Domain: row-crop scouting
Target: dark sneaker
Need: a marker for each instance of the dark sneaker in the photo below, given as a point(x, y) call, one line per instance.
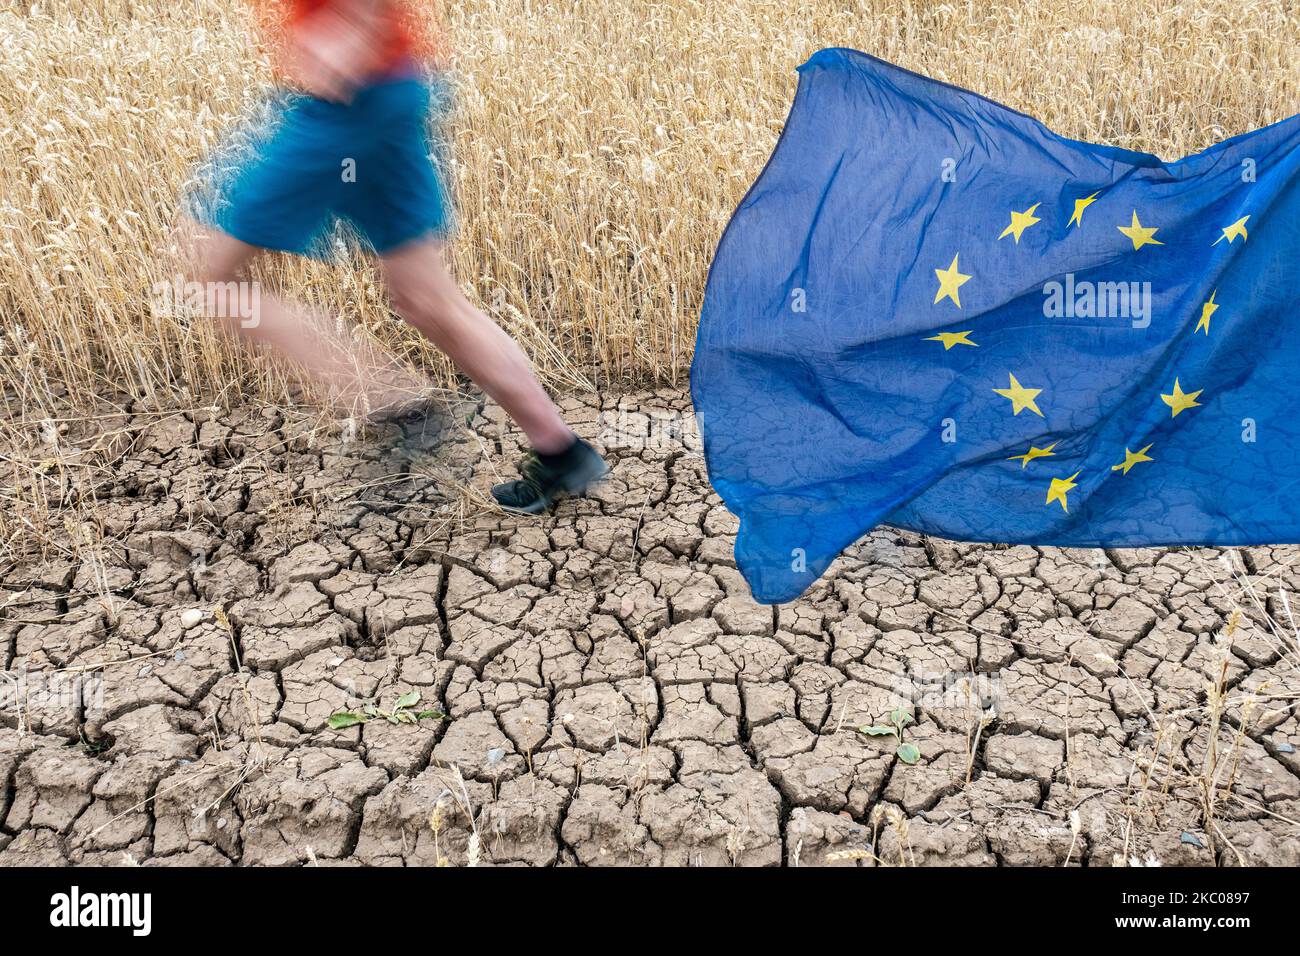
point(547, 477)
point(400, 411)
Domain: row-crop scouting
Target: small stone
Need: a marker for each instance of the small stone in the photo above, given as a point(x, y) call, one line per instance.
point(191, 617)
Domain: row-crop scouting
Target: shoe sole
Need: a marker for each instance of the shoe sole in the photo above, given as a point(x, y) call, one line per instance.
point(576, 485)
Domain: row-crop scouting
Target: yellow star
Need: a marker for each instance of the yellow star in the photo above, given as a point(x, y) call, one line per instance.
point(1180, 400)
point(1059, 489)
point(950, 280)
point(1033, 453)
point(1079, 206)
point(1021, 397)
point(1207, 310)
point(1140, 234)
point(1131, 458)
point(1020, 221)
point(1238, 228)
point(949, 339)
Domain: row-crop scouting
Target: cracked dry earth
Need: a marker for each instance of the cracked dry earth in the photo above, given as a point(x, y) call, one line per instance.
point(613, 696)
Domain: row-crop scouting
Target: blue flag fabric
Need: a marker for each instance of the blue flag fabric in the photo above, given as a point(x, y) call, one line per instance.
point(932, 312)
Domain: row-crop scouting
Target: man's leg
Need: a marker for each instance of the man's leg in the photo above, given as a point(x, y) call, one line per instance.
point(361, 377)
point(425, 295)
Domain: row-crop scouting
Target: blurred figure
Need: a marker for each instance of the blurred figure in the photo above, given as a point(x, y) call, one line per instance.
point(351, 141)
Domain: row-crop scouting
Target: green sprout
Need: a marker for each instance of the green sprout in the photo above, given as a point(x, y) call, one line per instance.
point(403, 712)
point(898, 719)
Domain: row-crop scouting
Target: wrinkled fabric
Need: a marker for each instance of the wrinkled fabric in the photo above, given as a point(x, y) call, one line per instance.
point(846, 374)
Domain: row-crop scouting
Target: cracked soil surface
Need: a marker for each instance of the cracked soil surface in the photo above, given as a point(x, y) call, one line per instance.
point(612, 694)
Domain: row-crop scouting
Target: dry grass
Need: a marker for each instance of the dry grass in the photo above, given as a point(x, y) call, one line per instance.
point(599, 148)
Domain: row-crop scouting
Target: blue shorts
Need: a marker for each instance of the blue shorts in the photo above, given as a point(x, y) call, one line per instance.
point(286, 182)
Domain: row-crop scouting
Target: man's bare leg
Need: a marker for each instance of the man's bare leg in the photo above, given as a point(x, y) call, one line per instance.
point(361, 377)
point(425, 295)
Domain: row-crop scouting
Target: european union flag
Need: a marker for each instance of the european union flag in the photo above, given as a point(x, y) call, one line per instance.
point(930, 311)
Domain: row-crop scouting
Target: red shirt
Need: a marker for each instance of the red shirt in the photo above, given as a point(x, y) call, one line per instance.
point(395, 43)
point(409, 29)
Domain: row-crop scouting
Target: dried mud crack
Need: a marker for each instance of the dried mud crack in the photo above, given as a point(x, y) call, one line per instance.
point(217, 585)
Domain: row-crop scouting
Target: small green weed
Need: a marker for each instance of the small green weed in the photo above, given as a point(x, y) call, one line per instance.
point(403, 712)
point(898, 719)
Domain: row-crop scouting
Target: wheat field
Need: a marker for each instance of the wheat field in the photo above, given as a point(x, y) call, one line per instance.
point(598, 148)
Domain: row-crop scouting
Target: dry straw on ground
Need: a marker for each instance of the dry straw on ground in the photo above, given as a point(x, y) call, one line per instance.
point(599, 148)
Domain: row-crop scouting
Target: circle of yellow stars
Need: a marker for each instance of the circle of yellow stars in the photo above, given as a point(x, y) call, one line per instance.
point(1023, 398)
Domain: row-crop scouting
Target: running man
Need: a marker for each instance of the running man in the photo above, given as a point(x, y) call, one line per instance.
point(365, 102)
